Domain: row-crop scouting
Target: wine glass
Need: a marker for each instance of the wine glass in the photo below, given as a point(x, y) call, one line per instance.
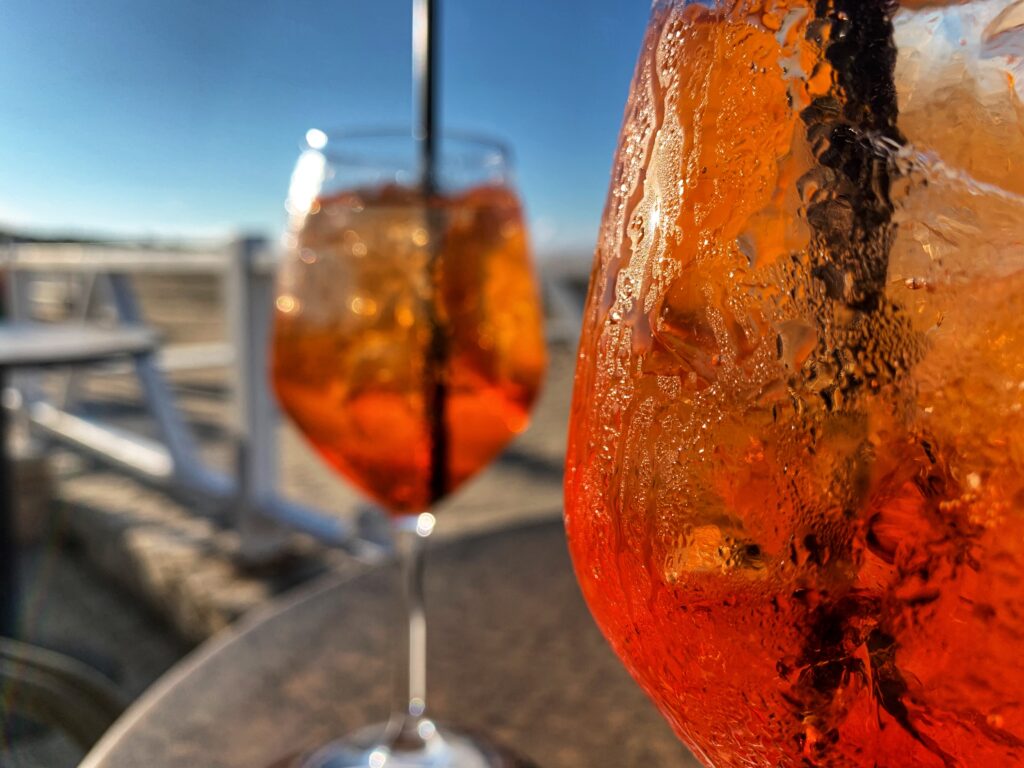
point(795, 482)
point(408, 348)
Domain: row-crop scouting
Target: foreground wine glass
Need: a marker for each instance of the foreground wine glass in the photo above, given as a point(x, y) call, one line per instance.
point(795, 489)
point(408, 348)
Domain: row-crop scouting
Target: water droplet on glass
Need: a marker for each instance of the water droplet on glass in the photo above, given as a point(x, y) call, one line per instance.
point(916, 283)
point(626, 287)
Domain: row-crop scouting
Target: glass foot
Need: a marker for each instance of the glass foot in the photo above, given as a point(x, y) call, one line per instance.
point(438, 747)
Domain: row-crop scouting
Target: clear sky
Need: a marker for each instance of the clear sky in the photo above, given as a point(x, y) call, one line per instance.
point(183, 117)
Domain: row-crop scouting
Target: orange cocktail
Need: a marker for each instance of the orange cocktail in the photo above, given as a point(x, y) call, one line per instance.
point(354, 328)
point(795, 490)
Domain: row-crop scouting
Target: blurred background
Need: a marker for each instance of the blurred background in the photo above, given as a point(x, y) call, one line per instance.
point(145, 153)
point(183, 119)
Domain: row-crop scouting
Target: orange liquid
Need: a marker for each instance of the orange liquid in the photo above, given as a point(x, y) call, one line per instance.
point(795, 486)
point(352, 336)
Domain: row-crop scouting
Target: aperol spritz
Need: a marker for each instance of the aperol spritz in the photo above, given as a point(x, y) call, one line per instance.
point(408, 348)
point(353, 335)
point(795, 489)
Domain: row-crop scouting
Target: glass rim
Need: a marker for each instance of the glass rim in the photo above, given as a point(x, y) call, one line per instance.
point(479, 150)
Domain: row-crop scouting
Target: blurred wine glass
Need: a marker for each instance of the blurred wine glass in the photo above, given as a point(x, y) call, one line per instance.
point(408, 348)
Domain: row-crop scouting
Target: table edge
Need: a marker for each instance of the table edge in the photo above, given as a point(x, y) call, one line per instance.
point(181, 671)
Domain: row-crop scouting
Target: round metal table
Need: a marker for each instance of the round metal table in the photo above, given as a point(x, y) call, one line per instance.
point(513, 653)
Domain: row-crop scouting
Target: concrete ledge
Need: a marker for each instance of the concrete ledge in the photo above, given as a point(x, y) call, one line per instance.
point(184, 568)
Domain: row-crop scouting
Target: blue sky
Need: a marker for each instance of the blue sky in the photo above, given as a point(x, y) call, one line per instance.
point(183, 117)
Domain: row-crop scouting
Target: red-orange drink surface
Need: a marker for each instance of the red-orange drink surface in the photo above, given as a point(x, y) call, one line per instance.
point(795, 483)
point(353, 335)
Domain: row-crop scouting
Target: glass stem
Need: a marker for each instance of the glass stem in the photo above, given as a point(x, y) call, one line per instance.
point(410, 731)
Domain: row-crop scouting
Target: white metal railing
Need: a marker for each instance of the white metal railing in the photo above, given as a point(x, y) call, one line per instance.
point(246, 268)
point(113, 259)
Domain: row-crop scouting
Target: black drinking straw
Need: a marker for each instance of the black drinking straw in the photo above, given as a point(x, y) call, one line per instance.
point(425, 29)
point(424, 71)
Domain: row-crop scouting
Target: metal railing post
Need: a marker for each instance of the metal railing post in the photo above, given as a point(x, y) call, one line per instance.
point(25, 384)
point(175, 434)
point(88, 284)
point(250, 293)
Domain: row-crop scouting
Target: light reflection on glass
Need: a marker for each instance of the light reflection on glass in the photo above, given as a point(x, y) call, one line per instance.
point(305, 184)
point(417, 707)
point(316, 138)
point(426, 730)
point(425, 524)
